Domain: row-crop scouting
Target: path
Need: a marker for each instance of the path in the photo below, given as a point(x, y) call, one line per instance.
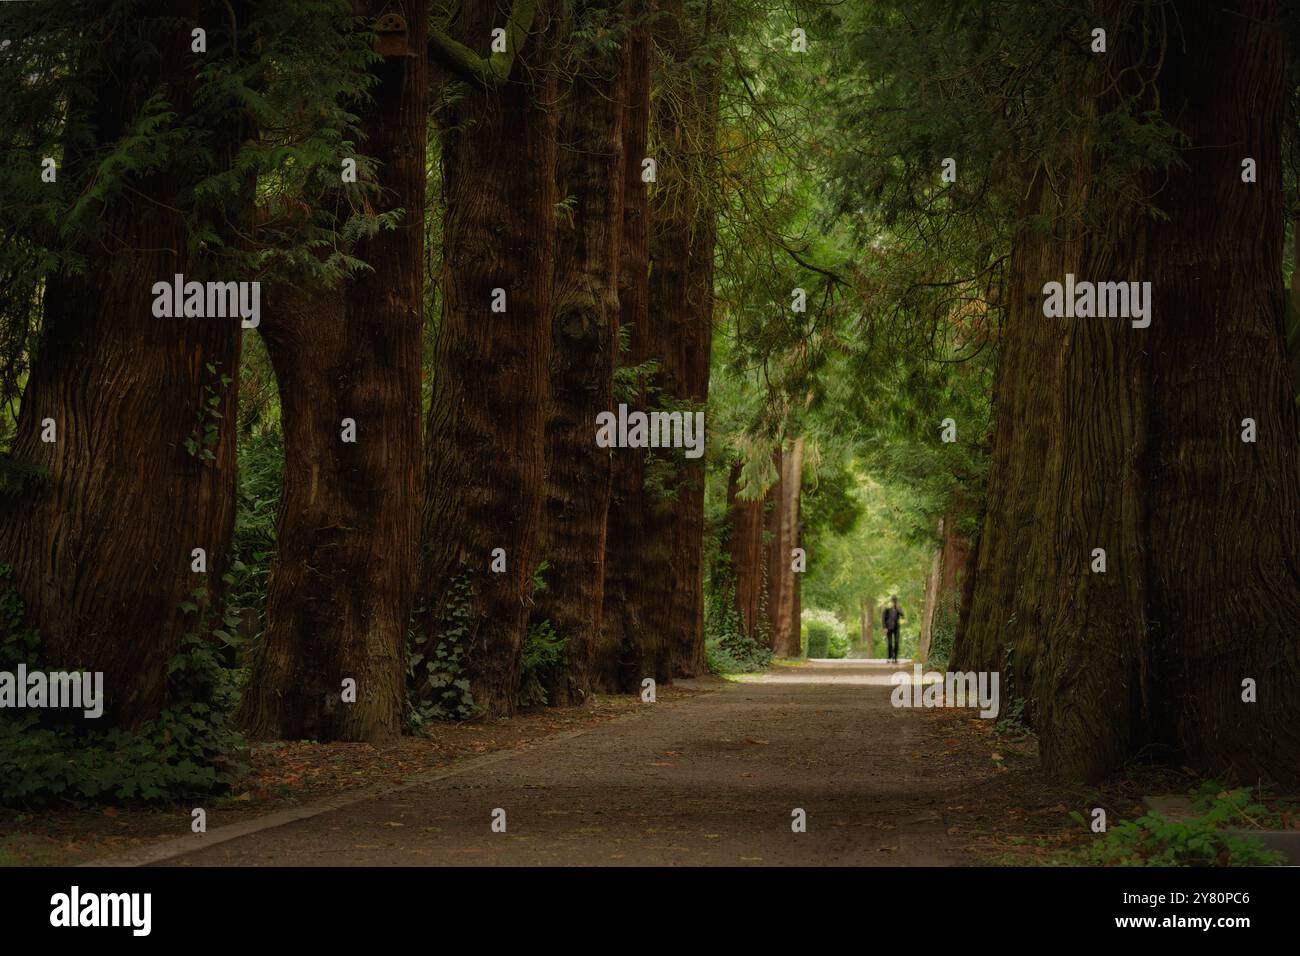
point(711, 779)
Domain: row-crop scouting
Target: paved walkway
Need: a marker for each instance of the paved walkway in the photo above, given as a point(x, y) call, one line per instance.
point(707, 780)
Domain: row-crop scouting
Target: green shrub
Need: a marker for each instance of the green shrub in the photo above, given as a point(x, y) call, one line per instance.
point(818, 639)
point(1240, 807)
point(261, 462)
point(1153, 840)
point(188, 751)
point(543, 653)
point(727, 649)
point(826, 635)
point(737, 654)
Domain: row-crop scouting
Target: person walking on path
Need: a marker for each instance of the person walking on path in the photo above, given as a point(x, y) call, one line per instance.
point(891, 618)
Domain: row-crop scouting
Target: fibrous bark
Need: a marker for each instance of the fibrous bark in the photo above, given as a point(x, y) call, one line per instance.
point(783, 582)
point(484, 484)
point(340, 593)
point(745, 546)
point(1130, 440)
point(584, 347)
point(685, 119)
point(101, 547)
point(632, 646)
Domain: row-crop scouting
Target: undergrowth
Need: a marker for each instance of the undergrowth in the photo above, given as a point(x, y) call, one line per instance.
point(727, 649)
point(48, 756)
point(1203, 840)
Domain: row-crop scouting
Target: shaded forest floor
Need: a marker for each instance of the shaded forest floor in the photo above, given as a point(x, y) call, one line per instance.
point(710, 774)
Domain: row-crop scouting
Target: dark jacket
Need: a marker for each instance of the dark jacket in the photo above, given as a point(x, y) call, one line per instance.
point(891, 617)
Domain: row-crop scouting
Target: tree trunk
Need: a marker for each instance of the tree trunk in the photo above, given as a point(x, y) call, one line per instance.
point(866, 629)
point(796, 588)
point(784, 609)
point(1036, 597)
point(794, 489)
point(1293, 314)
point(931, 601)
point(956, 561)
point(584, 347)
point(102, 545)
point(745, 547)
point(632, 644)
point(778, 577)
point(947, 574)
point(1224, 602)
point(1151, 654)
point(339, 598)
point(484, 486)
point(681, 294)
point(996, 633)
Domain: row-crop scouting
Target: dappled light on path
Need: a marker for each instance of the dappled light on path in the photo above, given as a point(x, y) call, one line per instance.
point(828, 671)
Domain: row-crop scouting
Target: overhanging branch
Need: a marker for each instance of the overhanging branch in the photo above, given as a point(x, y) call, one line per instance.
point(493, 69)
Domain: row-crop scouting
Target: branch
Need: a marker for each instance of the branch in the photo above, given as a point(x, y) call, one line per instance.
point(494, 69)
point(835, 277)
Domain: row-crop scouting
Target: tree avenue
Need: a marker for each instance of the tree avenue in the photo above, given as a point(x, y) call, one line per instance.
point(368, 366)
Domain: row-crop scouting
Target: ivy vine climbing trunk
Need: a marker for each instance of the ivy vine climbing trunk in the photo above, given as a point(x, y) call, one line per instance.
point(787, 644)
point(931, 602)
point(943, 588)
point(484, 484)
point(347, 365)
